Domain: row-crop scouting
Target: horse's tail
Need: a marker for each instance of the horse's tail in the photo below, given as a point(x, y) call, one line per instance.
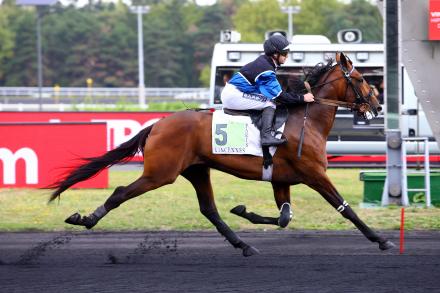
point(95, 165)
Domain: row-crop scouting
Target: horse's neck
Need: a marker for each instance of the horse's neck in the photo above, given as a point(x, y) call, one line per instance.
point(322, 115)
point(322, 118)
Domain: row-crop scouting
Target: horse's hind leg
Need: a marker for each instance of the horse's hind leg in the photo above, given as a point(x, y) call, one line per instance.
point(282, 199)
point(199, 177)
point(323, 185)
point(119, 195)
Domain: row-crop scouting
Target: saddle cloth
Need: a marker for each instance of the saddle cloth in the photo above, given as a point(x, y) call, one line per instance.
point(237, 135)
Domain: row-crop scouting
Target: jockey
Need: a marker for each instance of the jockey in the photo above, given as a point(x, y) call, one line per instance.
point(255, 86)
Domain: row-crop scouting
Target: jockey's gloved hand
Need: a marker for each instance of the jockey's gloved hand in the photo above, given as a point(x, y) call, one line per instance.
point(289, 98)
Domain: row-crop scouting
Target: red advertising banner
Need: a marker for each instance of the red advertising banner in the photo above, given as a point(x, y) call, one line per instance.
point(434, 20)
point(36, 154)
point(121, 126)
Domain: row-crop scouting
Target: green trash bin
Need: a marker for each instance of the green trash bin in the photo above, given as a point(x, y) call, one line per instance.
point(374, 181)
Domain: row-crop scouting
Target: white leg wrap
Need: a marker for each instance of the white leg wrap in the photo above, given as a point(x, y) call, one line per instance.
point(341, 208)
point(100, 212)
point(290, 210)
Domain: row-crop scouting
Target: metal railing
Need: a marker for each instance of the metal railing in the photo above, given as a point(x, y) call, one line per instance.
point(14, 95)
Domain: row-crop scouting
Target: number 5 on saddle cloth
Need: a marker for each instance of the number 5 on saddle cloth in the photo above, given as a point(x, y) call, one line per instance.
point(237, 133)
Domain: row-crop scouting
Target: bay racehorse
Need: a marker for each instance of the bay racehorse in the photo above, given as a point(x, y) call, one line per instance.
point(180, 144)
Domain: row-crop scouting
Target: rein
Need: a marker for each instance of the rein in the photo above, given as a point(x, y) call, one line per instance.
point(326, 101)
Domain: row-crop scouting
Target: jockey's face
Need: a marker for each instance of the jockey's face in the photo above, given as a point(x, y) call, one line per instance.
point(280, 58)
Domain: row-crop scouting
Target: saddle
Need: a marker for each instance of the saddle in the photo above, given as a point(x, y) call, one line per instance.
point(281, 114)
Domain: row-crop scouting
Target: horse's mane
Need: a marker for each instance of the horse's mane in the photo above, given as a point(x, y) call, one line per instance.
point(312, 76)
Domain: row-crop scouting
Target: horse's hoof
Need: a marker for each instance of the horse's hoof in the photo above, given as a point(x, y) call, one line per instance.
point(285, 216)
point(74, 219)
point(386, 245)
point(238, 210)
point(250, 250)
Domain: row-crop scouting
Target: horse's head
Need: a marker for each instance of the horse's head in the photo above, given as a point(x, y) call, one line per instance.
point(341, 84)
point(356, 91)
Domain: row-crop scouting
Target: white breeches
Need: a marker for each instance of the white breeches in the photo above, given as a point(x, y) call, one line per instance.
point(234, 99)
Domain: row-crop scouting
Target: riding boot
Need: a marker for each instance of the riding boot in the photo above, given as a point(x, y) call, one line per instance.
point(267, 139)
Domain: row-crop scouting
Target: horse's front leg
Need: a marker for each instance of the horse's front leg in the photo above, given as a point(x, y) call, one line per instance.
point(323, 185)
point(282, 198)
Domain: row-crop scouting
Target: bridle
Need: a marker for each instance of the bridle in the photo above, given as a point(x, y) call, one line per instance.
point(361, 103)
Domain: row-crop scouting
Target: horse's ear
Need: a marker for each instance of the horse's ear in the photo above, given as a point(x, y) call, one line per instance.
point(342, 59)
point(338, 57)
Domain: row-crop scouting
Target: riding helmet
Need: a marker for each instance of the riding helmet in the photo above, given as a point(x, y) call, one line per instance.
point(276, 44)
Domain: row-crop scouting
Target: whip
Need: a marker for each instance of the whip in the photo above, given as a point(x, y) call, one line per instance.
point(306, 112)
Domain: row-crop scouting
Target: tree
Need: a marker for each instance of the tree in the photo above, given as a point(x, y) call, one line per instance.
point(164, 38)
point(205, 76)
point(255, 18)
point(231, 6)
point(99, 41)
point(367, 18)
point(207, 34)
point(71, 46)
point(312, 18)
point(327, 17)
point(20, 68)
point(7, 37)
point(117, 61)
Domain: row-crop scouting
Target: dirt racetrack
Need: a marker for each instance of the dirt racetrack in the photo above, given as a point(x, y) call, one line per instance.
point(290, 261)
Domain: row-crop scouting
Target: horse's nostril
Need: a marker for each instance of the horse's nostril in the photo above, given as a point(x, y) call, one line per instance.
point(379, 108)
